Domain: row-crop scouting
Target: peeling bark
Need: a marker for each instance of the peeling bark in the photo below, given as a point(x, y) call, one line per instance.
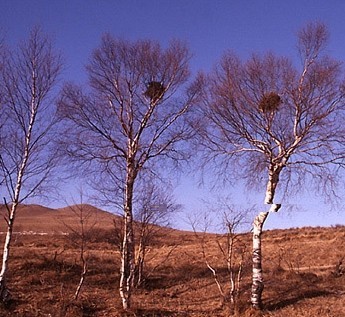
point(127, 265)
point(257, 283)
point(4, 293)
point(127, 258)
point(273, 179)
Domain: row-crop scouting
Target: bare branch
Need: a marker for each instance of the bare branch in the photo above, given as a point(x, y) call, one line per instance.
point(264, 119)
point(119, 124)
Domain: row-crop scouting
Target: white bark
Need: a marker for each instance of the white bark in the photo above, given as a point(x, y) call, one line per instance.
point(257, 282)
point(139, 263)
point(257, 278)
point(12, 211)
point(27, 79)
point(4, 294)
point(128, 257)
point(82, 279)
point(273, 179)
point(257, 286)
point(127, 266)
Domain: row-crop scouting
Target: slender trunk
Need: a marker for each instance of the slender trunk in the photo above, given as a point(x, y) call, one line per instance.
point(15, 199)
point(83, 258)
point(239, 277)
point(82, 279)
point(140, 263)
point(4, 293)
point(231, 268)
point(127, 257)
point(257, 285)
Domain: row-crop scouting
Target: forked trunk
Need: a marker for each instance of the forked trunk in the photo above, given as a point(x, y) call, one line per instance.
point(140, 263)
point(127, 264)
point(127, 257)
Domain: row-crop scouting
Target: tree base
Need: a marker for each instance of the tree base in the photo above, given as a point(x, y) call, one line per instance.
point(253, 312)
point(5, 295)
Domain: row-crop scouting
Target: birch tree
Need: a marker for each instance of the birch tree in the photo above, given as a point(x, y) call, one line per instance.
point(131, 114)
point(232, 251)
point(28, 77)
point(155, 207)
point(269, 120)
point(80, 234)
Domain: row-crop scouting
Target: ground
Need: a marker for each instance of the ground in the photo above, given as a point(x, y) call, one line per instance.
point(301, 270)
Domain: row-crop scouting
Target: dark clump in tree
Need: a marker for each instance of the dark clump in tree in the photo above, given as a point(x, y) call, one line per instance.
point(269, 102)
point(297, 145)
point(155, 91)
point(118, 134)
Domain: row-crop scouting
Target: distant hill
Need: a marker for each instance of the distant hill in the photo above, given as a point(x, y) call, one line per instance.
point(40, 219)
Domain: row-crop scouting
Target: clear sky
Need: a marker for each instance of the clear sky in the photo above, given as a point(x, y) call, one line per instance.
point(210, 27)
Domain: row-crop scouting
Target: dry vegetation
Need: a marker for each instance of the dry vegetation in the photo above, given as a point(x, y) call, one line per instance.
point(299, 267)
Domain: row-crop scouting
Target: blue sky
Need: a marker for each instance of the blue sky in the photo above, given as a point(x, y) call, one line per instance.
point(210, 27)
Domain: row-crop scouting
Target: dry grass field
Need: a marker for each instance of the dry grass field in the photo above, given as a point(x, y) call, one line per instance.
point(299, 268)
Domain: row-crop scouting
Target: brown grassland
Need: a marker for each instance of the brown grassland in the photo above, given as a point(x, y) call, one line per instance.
point(299, 269)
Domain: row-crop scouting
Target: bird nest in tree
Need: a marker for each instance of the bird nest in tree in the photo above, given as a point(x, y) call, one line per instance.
point(154, 91)
point(269, 102)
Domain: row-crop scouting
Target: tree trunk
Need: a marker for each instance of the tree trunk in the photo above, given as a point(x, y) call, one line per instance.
point(4, 293)
point(82, 279)
point(83, 259)
point(140, 263)
point(273, 179)
point(257, 282)
point(127, 257)
point(257, 285)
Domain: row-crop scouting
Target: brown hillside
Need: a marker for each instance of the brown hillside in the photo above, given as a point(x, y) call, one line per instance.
point(40, 219)
point(302, 271)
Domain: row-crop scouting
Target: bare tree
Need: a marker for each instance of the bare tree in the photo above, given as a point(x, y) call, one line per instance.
point(80, 234)
point(126, 121)
point(234, 262)
point(28, 78)
point(231, 246)
point(155, 206)
point(265, 116)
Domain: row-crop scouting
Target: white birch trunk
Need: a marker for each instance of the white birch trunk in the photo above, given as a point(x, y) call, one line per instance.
point(82, 257)
point(257, 278)
point(140, 263)
point(257, 285)
point(82, 279)
point(4, 293)
point(273, 179)
point(127, 257)
point(231, 269)
point(126, 271)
